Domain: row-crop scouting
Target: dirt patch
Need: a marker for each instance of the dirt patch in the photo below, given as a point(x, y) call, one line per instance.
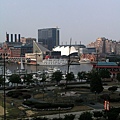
point(21, 108)
point(30, 112)
point(114, 104)
point(1, 110)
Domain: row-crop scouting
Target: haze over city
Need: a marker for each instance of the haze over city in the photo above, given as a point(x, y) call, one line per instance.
point(81, 20)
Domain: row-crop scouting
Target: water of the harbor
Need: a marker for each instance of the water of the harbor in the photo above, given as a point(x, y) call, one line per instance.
point(32, 68)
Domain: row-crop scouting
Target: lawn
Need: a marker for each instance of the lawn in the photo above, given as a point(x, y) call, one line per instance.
point(18, 111)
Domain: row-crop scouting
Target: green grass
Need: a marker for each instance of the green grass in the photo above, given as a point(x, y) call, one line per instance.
point(14, 112)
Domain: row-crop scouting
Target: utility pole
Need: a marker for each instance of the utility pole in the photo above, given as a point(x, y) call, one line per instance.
point(69, 57)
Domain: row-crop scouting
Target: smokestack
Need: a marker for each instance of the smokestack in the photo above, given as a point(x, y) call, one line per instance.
point(18, 37)
point(7, 37)
point(15, 37)
point(11, 37)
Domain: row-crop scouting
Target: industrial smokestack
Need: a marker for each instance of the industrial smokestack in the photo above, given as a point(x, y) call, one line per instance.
point(11, 37)
point(18, 37)
point(7, 37)
point(15, 37)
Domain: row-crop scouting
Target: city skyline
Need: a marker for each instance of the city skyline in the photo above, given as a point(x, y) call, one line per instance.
point(83, 21)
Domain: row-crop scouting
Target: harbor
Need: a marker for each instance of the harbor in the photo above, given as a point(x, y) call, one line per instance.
point(13, 67)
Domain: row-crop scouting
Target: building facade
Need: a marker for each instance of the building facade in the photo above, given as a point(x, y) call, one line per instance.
point(48, 37)
point(106, 46)
point(27, 40)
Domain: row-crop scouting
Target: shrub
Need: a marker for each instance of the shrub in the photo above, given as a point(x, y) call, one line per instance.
point(40, 118)
point(114, 100)
point(98, 114)
point(113, 88)
point(69, 117)
point(14, 94)
point(79, 100)
point(105, 97)
point(85, 116)
point(39, 105)
point(26, 96)
point(58, 119)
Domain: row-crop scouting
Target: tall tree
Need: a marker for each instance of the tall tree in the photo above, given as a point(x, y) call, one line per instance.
point(118, 77)
point(56, 76)
point(82, 75)
point(43, 80)
point(28, 79)
point(104, 74)
point(1, 80)
point(15, 78)
point(95, 82)
point(69, 77)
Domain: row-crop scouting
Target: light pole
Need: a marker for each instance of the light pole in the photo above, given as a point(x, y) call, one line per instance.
point(97, 60)
point(69, 57)
point(36, 63)
point(59, 112)
point(4, 90)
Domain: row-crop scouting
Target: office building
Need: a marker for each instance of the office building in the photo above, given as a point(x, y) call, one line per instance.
point(48, 37)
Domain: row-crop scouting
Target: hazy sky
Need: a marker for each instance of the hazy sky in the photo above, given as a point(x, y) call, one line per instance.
point(81, 20)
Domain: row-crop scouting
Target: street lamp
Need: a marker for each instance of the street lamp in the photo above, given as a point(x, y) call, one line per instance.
point(4, 89)
point(97, 60)
point(69, 57)
point(36, 63)
point(59, 112)
point(4, 92)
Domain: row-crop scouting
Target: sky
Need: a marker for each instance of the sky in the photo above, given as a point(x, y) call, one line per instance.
point(80, 20)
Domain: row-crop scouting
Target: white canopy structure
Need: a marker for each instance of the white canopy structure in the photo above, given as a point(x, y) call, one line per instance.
point(65, 50)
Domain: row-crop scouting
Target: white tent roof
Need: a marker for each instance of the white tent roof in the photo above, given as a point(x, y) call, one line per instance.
point(65, 50)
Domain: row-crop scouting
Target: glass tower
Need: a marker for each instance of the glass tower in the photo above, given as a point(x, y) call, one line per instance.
point(48, 37)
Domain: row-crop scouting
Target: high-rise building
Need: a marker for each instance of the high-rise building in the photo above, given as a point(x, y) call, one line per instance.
point(106, 46)
point(48, 37)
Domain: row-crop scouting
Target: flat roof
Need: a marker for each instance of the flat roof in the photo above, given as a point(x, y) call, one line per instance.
point(107, 64)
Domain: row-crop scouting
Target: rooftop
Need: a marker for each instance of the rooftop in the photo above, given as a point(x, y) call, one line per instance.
point(107, 64)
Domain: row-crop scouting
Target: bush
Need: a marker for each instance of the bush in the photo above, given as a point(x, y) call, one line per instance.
point(112, 115)
point(26, 96)
point(19, 94)
point(98, 114)
point(69, 117)
point(85, 116)
point(58, 119)
point(14, 94)
point(114, 100)
point(39, 105)
point(40, 118)
point(113, 88)
point(79, 100)
point(28, 103)
point(105, 97)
